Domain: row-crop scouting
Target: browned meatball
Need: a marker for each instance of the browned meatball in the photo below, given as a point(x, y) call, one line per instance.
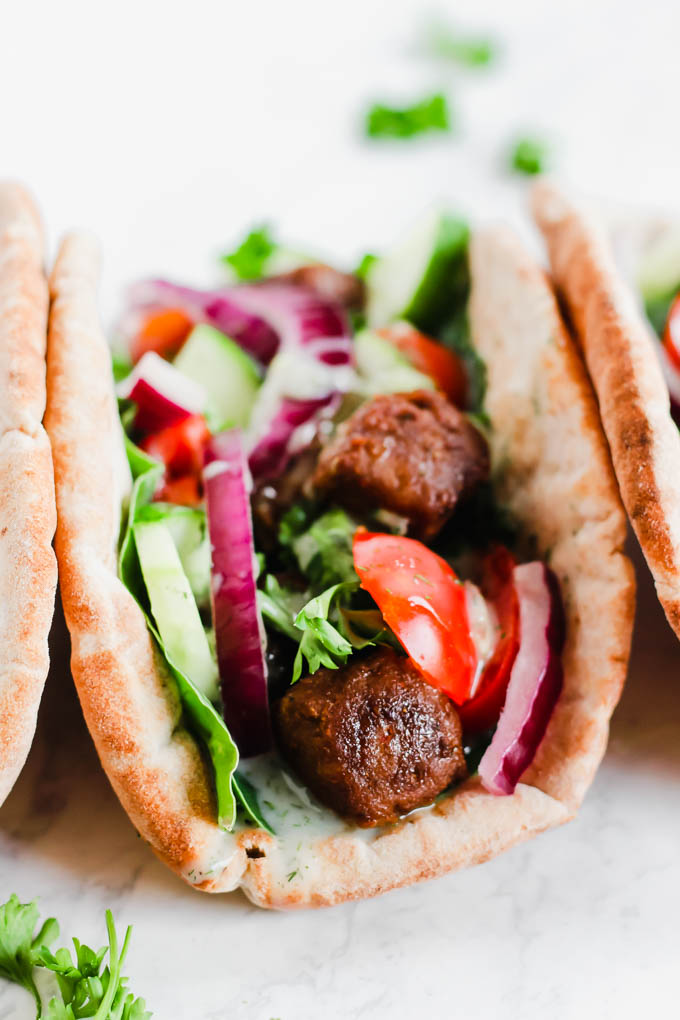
point(330, 283)
point(372, 740)
point(413, 454)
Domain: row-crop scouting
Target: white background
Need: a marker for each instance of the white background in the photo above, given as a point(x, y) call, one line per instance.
point(167, 131)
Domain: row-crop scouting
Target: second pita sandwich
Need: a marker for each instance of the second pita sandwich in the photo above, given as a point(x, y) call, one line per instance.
point(28, 572)
point(627, 365)
point(344, 576)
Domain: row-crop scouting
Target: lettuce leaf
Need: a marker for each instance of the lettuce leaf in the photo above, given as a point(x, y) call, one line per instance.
point(204, 718)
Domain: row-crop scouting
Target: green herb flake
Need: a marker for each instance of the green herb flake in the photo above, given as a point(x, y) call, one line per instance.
point(291, 875)
point(431, 114)
point(529, 156)
point(421, 577)
point(249, 260)
point(445, 43)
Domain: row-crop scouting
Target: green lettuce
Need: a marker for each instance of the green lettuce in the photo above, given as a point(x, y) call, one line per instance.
point(204, 718)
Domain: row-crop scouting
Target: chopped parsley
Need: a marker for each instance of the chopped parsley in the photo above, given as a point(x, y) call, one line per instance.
point(529, 155)
point(249, 260)
point(430, 114)
point(445, 43)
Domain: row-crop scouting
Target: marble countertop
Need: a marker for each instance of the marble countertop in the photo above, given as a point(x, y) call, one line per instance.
point(168, 135)
point(580, 922)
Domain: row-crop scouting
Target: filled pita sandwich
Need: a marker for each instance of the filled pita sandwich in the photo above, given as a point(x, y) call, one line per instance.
point(632, 368)
point(341, 560)
point(28, 571)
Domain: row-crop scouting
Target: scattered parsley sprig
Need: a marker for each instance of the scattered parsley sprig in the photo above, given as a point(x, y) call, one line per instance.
point(85, 990)
point(430, 114)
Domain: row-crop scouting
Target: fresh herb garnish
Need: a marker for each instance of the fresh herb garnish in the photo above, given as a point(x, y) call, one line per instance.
point(249, 260)
point(85, 990)
point(321, 644)
point(324, 551)
point(529, 156)
point(430, 114)
point(445, 43)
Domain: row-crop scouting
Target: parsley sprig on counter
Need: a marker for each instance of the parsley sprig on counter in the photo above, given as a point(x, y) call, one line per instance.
point(87, 987)
point(430, 114)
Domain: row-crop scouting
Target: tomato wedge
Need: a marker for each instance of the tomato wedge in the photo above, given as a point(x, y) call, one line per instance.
point(671, 334)
point(179, 446)
point(424, 603)
point(186, 491)
point(482, 711)
point(444, 368)
point(163, 331)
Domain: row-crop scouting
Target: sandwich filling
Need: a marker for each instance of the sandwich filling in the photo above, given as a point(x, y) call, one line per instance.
point(353, 622)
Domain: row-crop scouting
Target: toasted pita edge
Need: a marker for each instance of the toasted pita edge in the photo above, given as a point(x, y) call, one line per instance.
point(620, 352)
point(28, 570)
point(130, 704)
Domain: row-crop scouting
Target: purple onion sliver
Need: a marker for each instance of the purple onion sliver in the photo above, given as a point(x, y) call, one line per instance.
point(238, 627)
point(535, 681)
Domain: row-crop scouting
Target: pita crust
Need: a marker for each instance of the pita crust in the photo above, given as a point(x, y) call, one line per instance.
point(132, 708)
point(621, 355)
point(27, 512)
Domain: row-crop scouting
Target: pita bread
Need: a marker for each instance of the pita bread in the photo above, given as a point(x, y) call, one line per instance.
point(28, 572)
point(554, 470)
point(621, 355)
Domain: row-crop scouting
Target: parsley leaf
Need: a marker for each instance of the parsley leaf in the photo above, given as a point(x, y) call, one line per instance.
point(430, 114)
point(529, 156)
point(322, 644)
point(444, 43)
point(249, 260)
point(84, 989)
point(281, 606)
point(19, 945)
point(324, 550)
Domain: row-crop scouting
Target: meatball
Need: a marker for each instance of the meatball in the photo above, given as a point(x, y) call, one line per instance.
point(372, 740)
point(414, 454)
point(329, 283)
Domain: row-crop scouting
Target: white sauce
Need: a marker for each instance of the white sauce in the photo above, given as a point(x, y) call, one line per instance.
point(483, 629)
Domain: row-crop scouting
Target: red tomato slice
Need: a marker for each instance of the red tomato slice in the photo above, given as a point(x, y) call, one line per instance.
point(163, 331)
point(180, 446)
point(482, 711)
point(424, 603)
point(431, 358)
point(671, 334)
point(185, 490)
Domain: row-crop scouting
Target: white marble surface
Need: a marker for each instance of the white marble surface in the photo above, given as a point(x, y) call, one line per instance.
point(168, 132)
point(582, 922)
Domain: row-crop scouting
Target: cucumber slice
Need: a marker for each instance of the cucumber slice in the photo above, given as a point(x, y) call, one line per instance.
point(658, 276)
point(383, 368)
point(189, 532)
point(174, 608)
point(229, 376)
point(425, 279)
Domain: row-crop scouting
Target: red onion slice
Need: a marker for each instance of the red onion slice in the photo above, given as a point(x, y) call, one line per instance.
point(535, 681)
point(238, 627)
point(263, 317)
point(163, 395)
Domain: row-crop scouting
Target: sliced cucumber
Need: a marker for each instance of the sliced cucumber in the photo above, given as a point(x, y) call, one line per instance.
point(229, 376)
point(424, 279)
point(383, 368)
point(173, 606)
point(189, 532)
point(658, 276)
